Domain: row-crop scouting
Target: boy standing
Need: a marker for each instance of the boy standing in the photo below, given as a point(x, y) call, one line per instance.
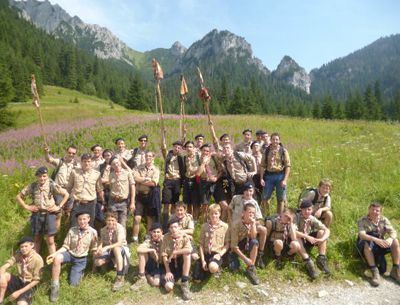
point(29, 269)
point(191, 191)
point(97, 157)
point(43, 208)
point(123, 154)
point(247, 140)
point(77, 244)
point(138, 154)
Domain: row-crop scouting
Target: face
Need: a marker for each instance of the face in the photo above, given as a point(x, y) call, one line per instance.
point(256, 148)
point(324, 189)
point(176, 149)
point(259, 137)
point(247, 136)
point(265, 138)
point(121, 145)
point(205, 152)
point(42, 178)
point(227, 150)
point(285, 217)
point(26, 248)
point(199, 141)
point(249, 213)
point(275, 141)
point(189, 148)
point(86, 164)
point(175, 228)
point(70, 156)
point(225, 139)
point(149, 158)
point(111, 222)
point(248, 193)
point(374, 211)
point(116, 165)
point(156, 234)
point(107, 157)
point(143, 142)
point(97, 151)
point(180, 211)
point(306, 212)
point(83, 221)
point(214, 216)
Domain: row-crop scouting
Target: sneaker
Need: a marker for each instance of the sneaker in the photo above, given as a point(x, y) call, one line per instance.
point(312, 272)
point(395, 274)
point(119, 283)
point(375, 277)
point(185, 291)
point(217, 275)
point(322, 263)
point(139, 283)
point(55, 291)
point(260, 260)
point(251, 273)
point(278, 262)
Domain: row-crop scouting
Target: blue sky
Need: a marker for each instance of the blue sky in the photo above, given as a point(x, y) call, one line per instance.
point(311, 32)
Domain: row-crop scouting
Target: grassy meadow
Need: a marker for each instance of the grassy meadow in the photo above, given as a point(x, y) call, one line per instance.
point(360, 158)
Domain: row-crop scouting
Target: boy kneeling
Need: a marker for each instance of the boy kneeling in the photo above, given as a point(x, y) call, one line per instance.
point(244, 237)
point(29, 268)
point(112, 240)
point(77, 244)
point(372, 229)
point(214, 243)
point(149, 258)
point(175, 254)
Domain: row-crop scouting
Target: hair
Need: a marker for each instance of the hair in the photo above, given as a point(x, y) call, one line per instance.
point(249, 205)
point(289, 210)
point(108, 151)
point(180, 204)
point(152, 153)
point(275, 134)
point(325, 182)
point(215, 207)
point(86, 156)
point(73, 147)
point(375, 205)
point(227, 144)
point(113, 214)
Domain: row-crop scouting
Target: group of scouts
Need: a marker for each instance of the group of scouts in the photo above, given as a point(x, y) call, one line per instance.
point(126, 181)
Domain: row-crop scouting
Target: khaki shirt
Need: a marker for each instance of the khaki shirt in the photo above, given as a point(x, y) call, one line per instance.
point(125, 179)
point(33, 271)
point(173, 168)
point(320, 201)
point(142, 171)
point(117, 235)
point(85, 190)
point(191, 164)
point(148, 244)
point(277, 166)
point(89, 242)
point(238, 233)
point(41, 197)
point(126, 154)
point(366, 226)
point(140, 157)
point(278, 233)
point(214, 167)
point(168, 244)
point(312, 225)
point(243, 147)
point(237, 205)
point(218, 148)
point(186, 222)
point(222, 234)
point(257, 158)
point(96, 163)
point(64, 172)
point(240, 173)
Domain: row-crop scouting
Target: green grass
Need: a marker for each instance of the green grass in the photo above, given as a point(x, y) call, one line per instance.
point(360, 158)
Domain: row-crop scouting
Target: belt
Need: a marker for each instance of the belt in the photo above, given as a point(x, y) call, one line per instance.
point(143, 192)
point(241, 182)
point(190, 179)
point(83, 201)
point(118, 200)
point(274, 173)
point(172, 178)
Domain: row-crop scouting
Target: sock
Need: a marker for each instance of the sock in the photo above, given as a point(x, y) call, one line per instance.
point(373, 267)
point(135, 238)
point(185, 278)
point(307, 260)
point(396, 265)
point(322, 255)
point(120, 272)
point(55, 283)
point(141, 274)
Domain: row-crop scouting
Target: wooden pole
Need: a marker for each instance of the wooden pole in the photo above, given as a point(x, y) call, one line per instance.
point(160, 104)
point(36, 103)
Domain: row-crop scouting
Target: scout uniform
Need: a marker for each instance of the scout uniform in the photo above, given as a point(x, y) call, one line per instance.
point(84, 186)
point(138, 157)
point(237, 205)
point(310, 226)
point(143, 191)
point(318, 201)
point(213, 239)
point(120, 184)
point(96, 163)
point(243, 147)
point(126, 154)
point(191, 191)
point(213, 168)
point(152, 265)
point(236, 171)
point(44, 199)
point(279, 231)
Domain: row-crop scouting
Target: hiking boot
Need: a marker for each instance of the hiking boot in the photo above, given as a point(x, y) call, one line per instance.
point(375, 277)
point(251, 273)
point(260, 260)
point(312, 272)
point(139, 283)
point(119, 283)
point(55, 291)
point(217, 275)
point(278, 262)
point(395, 274)
point(290, 257)
point(185, 291)
point(322, 263)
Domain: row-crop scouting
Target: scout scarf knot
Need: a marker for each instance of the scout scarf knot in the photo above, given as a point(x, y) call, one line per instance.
point(119, 186)
point(232, 166)
point(156, 243)
point(106, 171)
point(42, 192)
point(306, 220)
point(81, 234)
point(285, 229)
point(175, 239)
point(273, 156)
point(110, 234)
point(247, 225)
point(212, 229)
point(376, 224)
point(26, 260)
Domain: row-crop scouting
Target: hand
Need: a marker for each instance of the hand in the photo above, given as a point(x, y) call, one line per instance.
point(211, 123)
point(311, 239)
point(156, 256)
point(132, 208)
point(249, 262)
point(251, 174)
point(33, 208)
point(213, 179)
point(46, 150)
point(54, 208)
point(204, 265)
point(290, 218)
point(173, 256)
point(252, 220)
point(15, 295)
point(169, 276)
point(262, 182)
point(50, 257)
point(388, 242)
point(318, 213)
point(380, 242)
point(217, 257)
point(319, 241)
point(283, 183)
point(102, 207)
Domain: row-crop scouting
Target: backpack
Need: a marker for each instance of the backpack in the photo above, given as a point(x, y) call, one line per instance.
point(305, 191)
point(185, 158)
point(272, 218)
point(51, 193)
point(242, 163)
point(55, 172)
point(180, 164)
point(281, 152)
point(131, 162)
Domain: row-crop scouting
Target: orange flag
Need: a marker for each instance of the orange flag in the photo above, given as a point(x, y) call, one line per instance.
point(158, 72)
point(184, 88)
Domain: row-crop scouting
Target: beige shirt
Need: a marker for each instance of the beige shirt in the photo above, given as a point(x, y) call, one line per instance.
point(121, 189)
point(240, 173)
point(96, 163)
point(238, 233)
point(142, 171)
point(125, 154)
point(88, 242)
point(312, 225)
point(277, 165)
point(33, 271)
point(257, 158)
point(279, 229)
point(186, 222)
point(117, 235)
point(212, 169)
point(41, 194)
point(222, 234)
point(140, 157)
point(173, 168)
point(64, 172)
point(192, 165)
point(148, 244)
point(167, 247)
point(85, 184)
point(320, 202)
point(243, 147)
point(237, 205)
point(366, 226)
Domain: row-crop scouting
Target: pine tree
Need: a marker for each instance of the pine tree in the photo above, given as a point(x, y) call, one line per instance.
point(339, 110)
point(70, 68)
point(328, 108)
point(396, 112)
point(316, 109)
point(237, 105)
point(223, 96)
point(250, 104)
point(7, 119)
point(373, 111)
point(135, 98)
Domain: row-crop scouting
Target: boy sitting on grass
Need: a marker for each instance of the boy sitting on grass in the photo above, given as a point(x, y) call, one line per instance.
point(321, 200)
point(149, 258)
point(112, 240)
point(29, 269)
point(372, 229)
point(213, 244)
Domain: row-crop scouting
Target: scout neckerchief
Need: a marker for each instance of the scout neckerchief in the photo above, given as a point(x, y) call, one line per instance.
point(245, 201)
point(81, 234)
point(273, 156)
point(110, 234)
point(97, 162)
point(306, 220)
point(230, 159)
point(208, 169)
point(320, 200)
point(86, 176)
point(212, 229)
point(190, 163)
point(26, 260)
point(142, 156)
point(119, 186)
point(181, 219)
point(70, 166)
point(42, 189)
point(248, 149)
point(376, 224)
point(257, 157)
point(285, 229)
point(148, 168)
point(156, 244)
point(247, 225)
point(106, 171)
point(175, 239)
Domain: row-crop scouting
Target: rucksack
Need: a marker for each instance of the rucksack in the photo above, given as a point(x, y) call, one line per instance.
point(242, 163)
point(180, 163)
point(305, 191)
point(51, 193)
point(281, 151)
point(184, 161)
point(55, 172)
point(131, 162)
point(272, 218)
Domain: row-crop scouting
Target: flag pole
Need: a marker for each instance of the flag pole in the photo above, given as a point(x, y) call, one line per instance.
point(183, 98)
point(36, 103)
point(204, 93)
point(157, 75)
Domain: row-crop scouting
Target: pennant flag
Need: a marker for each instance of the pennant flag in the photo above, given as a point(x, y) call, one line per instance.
point(203, 91)
point(34, 92)
point(158, 73)
point(184, 88)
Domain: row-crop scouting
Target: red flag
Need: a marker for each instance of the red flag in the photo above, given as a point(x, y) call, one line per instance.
point(158, 73)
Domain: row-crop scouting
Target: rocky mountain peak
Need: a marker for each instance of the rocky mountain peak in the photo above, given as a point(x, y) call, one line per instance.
point(177, 49)
point(290, 72)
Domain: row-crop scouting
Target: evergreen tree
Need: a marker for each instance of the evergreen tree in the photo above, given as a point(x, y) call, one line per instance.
point(237, 105)
point(223, 96)
point(70, 68)
point(316, 109)
point(328, 108)
point(7, 119)
point(396, 112)
point(135, 98)
point(339, 110)
point(373, 110)
point(378, 93)
point(250, 104)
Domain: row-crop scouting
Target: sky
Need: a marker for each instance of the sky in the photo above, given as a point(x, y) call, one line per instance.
point(312, 32)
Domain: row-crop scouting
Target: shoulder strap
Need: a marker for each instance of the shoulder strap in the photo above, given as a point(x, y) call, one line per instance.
point(282, 151)
point(198, 159)
point(33, 186)
point(55, 172)
point(314, 201)
point(167, 161)
point(181, 167)
point(51, 193)
point(242, 163)
point(227, 171)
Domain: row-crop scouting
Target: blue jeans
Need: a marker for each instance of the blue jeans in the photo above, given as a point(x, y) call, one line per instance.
point(78, 265)
point(234, 263)
point(272, 182)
